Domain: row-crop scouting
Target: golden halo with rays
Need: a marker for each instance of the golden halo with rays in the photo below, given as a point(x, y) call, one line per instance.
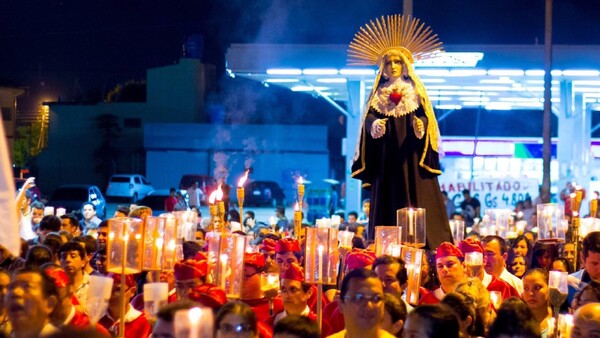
point(403, 33)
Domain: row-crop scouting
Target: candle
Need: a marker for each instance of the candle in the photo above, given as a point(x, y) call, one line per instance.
point(297, 220)
point(411, 228)
point(324, 223)
point(194, 316)
point(222, 272)
point(394, 250)
point(320, 262)
point(48, 211)
point(345, 238)
point(60, 212)
point(336, 220)
point(496, 298)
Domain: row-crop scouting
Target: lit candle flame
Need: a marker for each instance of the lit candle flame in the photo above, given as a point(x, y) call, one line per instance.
point(243, 179)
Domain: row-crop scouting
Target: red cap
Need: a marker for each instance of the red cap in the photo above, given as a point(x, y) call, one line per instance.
point(201, 256)
point(129, 281)
point(255, 259)
point(267, 245)
point(293, 272)
point(58, 275)
point(470, 245)
point(448, 249)
point(191, 268)
point(287, 244)
point(359, 258)
point(208, 295)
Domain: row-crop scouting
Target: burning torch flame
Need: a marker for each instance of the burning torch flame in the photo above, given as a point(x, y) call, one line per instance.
point(212, 197)
point(219, 193)
point(296, 207)
point(300, 180)
point(243, 179)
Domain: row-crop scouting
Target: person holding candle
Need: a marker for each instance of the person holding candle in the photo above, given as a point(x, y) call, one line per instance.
point(495, 253)
point(65, 314)
point(537, 297)
point(287, 251)
point(136, 324)
point(490, 282)
point(294, 294)
point(267, 248)
point(190, 273)
point(73, 260)
point(208, 295)
point(397, 151)
point(252, 293)
point(451, 272)
point(360, 258)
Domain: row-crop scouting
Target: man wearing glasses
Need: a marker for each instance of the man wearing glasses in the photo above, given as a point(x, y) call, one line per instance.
point(361, 302)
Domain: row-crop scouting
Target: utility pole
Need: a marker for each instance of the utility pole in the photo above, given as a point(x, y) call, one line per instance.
point(547, 146)
point(407, 7)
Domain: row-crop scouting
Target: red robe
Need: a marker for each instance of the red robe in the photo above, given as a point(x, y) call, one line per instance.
point(503, 287)
point(312, 301)
point(82, 321)
point(136, 324)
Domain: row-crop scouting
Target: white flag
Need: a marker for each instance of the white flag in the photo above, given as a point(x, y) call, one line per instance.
point(9, 222)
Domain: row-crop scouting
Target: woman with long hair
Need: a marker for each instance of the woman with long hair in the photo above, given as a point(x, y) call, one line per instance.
point(537, 296)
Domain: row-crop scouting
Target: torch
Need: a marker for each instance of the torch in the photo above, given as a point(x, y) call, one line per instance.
point(300, 192)
point(212, 208)
point(221, 208)
point(297, 221)
point(240, 196)
point(576, 198)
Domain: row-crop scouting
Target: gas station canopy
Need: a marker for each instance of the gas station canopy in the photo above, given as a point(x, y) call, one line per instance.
point(494, 77)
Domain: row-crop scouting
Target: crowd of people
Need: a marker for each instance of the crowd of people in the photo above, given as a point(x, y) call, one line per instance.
point(45, 289)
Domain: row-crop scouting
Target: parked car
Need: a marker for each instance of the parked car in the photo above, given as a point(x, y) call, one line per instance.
point(155, 200)
point(205, 183)
point(36, 194)
point(132, 186)
point(72, 196)
point(259, 193)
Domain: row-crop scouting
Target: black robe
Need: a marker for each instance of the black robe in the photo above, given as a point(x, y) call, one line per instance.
point(389, 167)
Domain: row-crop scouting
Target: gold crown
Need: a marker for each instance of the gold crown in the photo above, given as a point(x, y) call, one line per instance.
point(394, 32)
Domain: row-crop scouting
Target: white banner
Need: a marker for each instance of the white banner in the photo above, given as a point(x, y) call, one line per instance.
point(9, 222)
point(492, 193)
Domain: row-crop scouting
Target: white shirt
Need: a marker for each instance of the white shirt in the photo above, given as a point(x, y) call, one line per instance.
point(193, 197)
point(513, 280)
point(82, 291)
point(284, 314)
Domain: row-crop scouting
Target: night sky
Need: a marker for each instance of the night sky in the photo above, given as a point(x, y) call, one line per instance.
point(79, 49)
